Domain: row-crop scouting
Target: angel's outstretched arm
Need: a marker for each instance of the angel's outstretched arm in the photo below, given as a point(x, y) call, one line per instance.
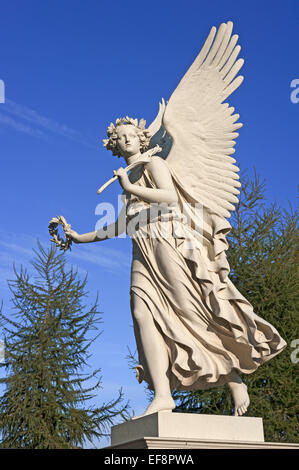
point(112, 230)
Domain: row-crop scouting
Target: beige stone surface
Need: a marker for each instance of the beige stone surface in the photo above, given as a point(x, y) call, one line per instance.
point(186, 426)
point(172, 443)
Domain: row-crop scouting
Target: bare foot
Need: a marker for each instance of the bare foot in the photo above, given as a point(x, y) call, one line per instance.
point(158, 404)
point(240, 396)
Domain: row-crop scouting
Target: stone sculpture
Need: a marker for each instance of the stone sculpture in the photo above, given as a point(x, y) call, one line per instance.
point(194, 330)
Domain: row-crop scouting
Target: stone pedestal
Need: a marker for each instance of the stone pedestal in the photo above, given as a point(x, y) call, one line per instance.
point(167, 430)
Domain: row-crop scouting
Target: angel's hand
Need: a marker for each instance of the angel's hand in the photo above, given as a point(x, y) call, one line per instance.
point(73, 235)
point(146, 156)
point(123, 178)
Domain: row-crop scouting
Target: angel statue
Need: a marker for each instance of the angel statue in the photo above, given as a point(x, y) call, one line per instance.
point(194, 330)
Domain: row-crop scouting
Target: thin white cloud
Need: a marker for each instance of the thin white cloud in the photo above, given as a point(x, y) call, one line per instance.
point(18, 248)
point(12, 254)
point(5, 274)
point(38, 124)
point(20, 127)
point(13, 247)
point(102, 256)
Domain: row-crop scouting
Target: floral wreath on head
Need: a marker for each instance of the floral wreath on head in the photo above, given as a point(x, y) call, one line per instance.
point(143, 134)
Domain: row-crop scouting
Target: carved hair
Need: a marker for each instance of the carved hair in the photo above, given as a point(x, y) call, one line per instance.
point(143, 134)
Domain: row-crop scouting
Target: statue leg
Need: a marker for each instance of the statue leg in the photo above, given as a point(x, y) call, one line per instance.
point(240, 394)
point(149, 339)
point(176, 280)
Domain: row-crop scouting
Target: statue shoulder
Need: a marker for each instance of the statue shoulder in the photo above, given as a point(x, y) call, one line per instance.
point(159, 172)
point(156, 163)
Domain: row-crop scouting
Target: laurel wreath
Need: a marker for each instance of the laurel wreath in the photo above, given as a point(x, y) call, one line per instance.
point(53, 231)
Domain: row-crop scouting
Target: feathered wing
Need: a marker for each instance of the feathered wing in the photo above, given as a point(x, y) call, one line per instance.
point(159, 135)
point(202, 127)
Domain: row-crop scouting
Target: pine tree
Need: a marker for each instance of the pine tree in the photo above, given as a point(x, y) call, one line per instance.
point(263, 256)
point(45, 402)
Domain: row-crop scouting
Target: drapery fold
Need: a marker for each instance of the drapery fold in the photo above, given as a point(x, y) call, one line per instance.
point(209, 328)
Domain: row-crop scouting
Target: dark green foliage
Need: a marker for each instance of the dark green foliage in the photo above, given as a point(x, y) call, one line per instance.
point(45, 402)
point(263, 256)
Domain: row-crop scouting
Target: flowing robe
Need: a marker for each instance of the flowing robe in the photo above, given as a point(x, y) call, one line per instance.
point(209, 328)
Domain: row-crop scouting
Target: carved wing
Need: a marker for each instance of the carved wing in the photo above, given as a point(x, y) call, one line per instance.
point(203, 127)
point(159, 135)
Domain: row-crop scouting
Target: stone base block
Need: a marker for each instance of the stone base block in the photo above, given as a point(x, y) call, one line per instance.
point(164, 443)
point(167, 430)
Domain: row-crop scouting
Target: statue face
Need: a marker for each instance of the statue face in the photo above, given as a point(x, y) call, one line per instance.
point(128, 140)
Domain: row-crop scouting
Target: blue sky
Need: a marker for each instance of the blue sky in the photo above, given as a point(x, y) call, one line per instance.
point(70, 68)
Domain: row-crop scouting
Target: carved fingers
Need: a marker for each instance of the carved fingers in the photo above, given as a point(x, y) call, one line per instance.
point(123, 177)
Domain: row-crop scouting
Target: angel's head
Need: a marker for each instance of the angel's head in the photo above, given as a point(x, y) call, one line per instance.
point(127, 137)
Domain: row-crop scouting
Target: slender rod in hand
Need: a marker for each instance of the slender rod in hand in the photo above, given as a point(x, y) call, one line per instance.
point(142, 160)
